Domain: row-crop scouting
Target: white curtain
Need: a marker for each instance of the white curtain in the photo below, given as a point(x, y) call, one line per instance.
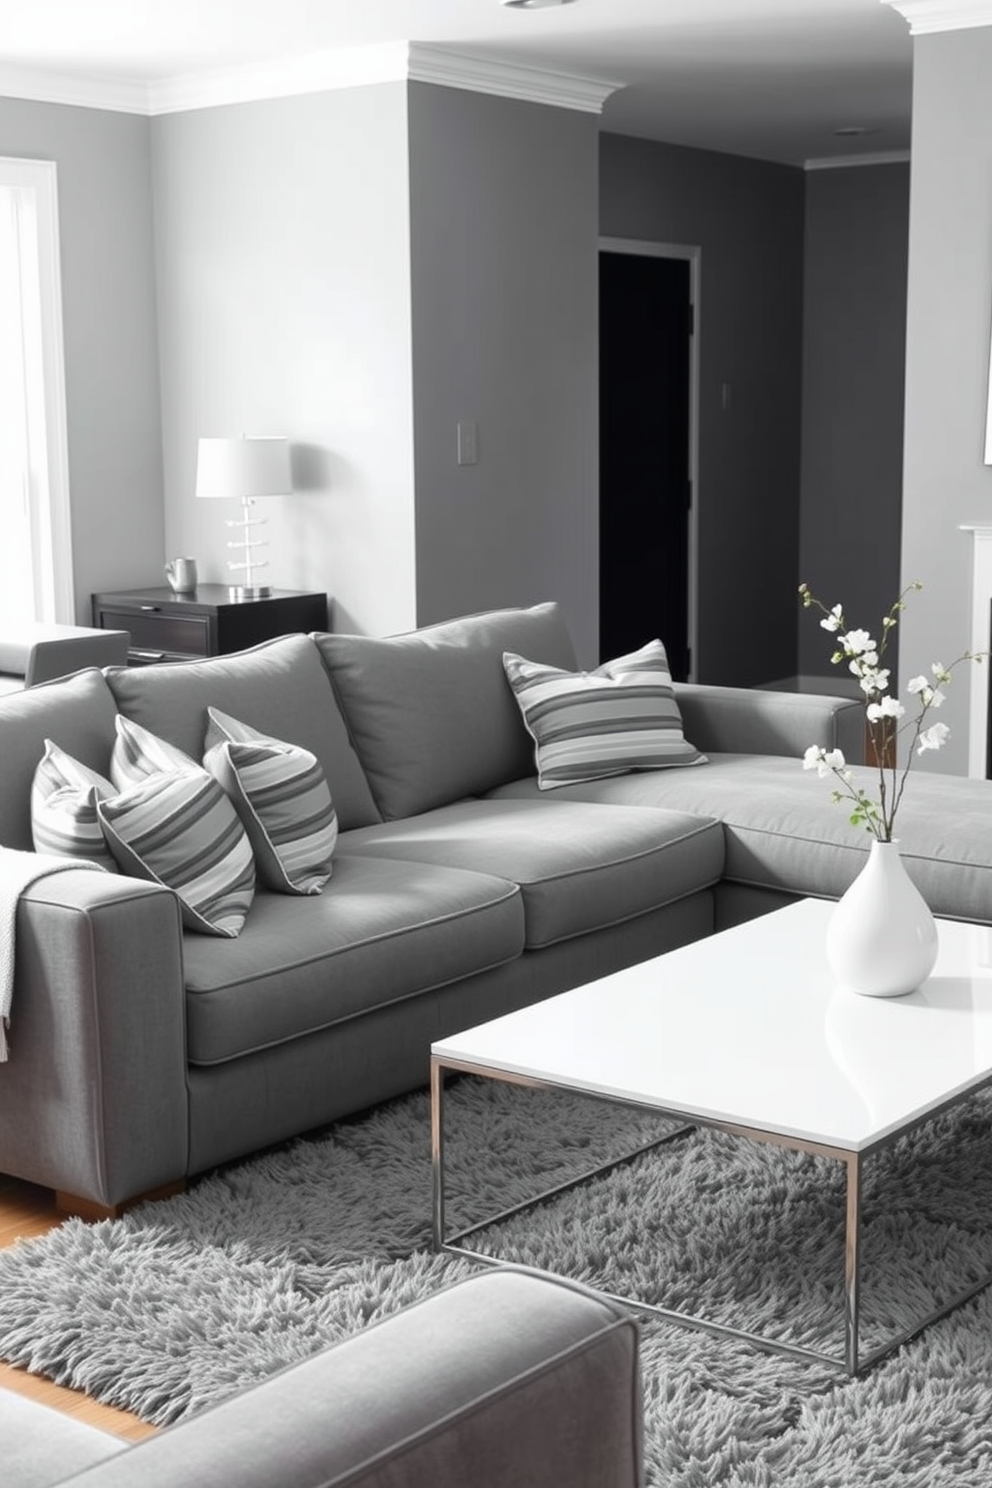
point(35, 553)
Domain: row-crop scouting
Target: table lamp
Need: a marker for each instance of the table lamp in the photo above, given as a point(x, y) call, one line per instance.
point(245, 468)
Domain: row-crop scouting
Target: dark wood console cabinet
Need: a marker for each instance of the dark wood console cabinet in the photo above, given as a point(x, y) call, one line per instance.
point(166, 626)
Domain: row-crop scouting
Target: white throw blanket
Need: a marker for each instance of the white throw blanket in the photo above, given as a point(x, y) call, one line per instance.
point(17, 871)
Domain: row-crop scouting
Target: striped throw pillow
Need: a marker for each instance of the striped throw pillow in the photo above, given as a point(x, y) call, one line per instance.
point(64, 819)
point(282, 797)
point(139, 754)
point(172, 823)
point(586, 725)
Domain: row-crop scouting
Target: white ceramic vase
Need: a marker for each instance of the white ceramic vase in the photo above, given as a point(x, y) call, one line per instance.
point(882, 940)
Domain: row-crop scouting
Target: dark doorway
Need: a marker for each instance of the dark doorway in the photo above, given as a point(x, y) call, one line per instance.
point(645, 325)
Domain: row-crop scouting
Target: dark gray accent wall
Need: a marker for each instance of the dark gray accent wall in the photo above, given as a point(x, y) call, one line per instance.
point(109, 329)
point(746, 216)
point(854, 365)
point(503, 254)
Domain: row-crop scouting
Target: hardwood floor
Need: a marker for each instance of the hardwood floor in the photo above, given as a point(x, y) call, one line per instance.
point(26, 1211)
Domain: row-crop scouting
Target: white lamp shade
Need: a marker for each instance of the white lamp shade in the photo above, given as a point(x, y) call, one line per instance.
point(251, 466)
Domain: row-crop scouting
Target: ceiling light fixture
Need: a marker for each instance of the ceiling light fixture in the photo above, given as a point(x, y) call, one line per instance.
point(533, 4)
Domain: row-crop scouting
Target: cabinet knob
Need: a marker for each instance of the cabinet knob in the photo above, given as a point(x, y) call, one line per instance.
point(149, 607)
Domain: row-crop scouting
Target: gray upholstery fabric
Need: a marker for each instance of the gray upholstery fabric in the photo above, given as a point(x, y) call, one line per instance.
point(77, 713)
point(784, 832)
point(279, 688)
point(93, 1099)
point(580, 867)
point(42, 1447)
point(507, 1380)
point(381, 931)
point(744, 720)
point(431, 713)
point(247, 1103)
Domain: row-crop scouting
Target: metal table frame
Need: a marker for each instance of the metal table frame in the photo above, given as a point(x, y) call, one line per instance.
point(852, 1363)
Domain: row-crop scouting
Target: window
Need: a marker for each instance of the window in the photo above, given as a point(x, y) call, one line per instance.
point(34, 478)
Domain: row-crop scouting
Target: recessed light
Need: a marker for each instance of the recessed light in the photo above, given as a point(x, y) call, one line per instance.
point(533, 4)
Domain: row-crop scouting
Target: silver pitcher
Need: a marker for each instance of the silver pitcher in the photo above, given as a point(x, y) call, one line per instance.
point(181, 574)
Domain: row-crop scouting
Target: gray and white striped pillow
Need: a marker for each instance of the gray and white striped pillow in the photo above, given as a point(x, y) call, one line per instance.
point(173, 823)
point(586, 725)
point(282, 797)
point(64, 820)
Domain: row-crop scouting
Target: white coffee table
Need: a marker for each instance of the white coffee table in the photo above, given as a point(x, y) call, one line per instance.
point(746, 1032)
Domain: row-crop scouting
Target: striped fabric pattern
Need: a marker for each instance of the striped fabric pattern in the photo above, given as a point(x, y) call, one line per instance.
point(622, 716)
point(139, 754)
point(64, 819)
point(179, 829)
point(281, 795)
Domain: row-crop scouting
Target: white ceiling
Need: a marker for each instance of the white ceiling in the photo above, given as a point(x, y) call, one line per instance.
point(768, 78)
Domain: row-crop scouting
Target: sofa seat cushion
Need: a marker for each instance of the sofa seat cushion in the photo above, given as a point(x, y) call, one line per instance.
point(380, 932)
point(580, 867)
point(784, 832)
point(279, 688)
point(43, 1447)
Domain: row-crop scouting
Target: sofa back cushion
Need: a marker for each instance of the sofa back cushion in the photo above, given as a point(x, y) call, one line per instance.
point(77, 714)
point(279, 688)
point(431, 714)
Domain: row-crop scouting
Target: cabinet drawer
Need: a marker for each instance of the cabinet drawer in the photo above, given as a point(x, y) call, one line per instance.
point(183, 635)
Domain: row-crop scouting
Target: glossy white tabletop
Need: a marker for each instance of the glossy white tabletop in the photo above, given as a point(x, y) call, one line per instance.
point(747, 1027)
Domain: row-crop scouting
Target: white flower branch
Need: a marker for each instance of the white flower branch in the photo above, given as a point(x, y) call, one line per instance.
point(864, 656)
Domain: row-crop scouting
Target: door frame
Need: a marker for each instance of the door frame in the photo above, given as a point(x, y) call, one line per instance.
point(692, 253)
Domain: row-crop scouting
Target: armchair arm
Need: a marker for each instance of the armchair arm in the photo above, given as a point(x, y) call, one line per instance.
point(93, 1097)
point(751, 720)
point(510, 1379)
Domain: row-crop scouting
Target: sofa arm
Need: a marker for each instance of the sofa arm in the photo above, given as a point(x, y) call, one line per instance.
point(510, 1379)
point(93, 1097)
point(751, 720)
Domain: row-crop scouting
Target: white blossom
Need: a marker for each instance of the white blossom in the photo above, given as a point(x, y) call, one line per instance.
point(933, 737)
point(889, 707)
point(823, 761)
point(834, 619)
point(857, 641)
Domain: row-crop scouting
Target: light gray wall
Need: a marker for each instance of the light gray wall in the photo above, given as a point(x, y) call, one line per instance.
point(747, 218)
point(283, 243)
point(108, 312)
point(854, 358)
point(504, 270)
point(947, 355)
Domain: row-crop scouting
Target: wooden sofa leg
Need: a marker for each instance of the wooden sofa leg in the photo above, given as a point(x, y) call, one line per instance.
point(89, 1209)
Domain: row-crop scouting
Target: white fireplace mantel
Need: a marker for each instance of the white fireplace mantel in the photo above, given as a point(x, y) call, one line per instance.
point(981, 611)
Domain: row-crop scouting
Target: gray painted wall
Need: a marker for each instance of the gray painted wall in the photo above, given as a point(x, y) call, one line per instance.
point(108, 312)
point(747, 218)
point(504, 271)
point(854, 358)
point(947, 355)
point(283, 244)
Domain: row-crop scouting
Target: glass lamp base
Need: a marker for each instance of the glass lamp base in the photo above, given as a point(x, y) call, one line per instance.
point(249, 591)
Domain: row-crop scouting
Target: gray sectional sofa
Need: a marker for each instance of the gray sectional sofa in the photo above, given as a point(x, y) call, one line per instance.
point(142, 1053)
point(506, 1380)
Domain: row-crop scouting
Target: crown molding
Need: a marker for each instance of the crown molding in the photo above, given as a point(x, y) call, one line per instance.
point(458, 70)
point(320, 72)
point(840, 162)
point(345, 67)
point(115, 94)
point(926, 16)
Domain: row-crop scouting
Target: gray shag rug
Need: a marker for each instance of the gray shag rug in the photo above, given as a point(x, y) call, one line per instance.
point(185, 1301)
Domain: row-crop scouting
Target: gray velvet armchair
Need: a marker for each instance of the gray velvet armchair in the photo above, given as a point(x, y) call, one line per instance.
point(33, 653)
point(509, 1379)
